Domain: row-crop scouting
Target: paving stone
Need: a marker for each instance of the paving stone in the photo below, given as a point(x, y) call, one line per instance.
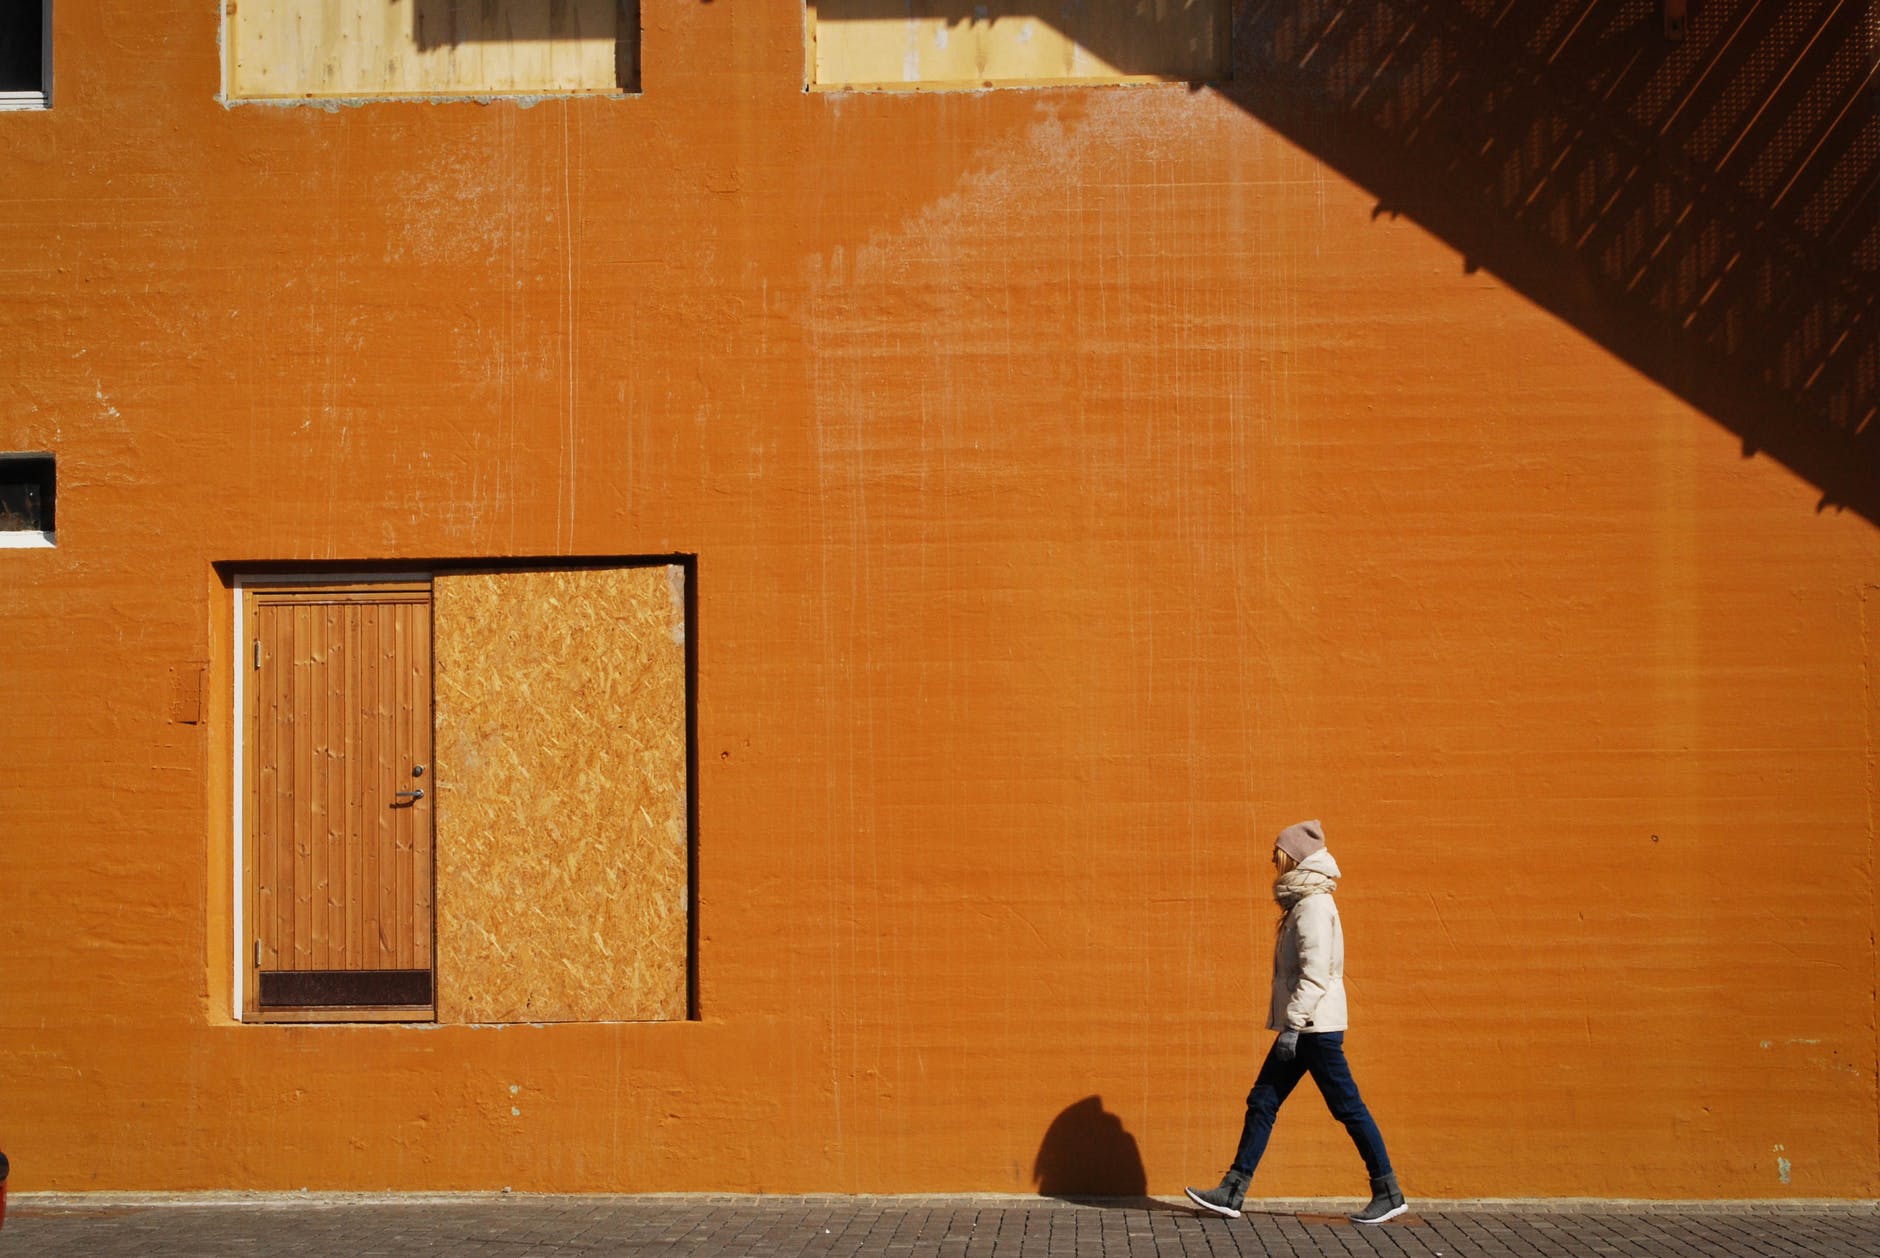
point(913, 1227)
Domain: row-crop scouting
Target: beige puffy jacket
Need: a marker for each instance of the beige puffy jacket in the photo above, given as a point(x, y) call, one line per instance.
point(1309, 960)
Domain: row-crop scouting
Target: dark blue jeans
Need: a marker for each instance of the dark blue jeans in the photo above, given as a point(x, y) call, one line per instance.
point(1323, 1057)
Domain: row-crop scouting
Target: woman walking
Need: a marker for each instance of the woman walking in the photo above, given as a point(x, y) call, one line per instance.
point(1308, 1011)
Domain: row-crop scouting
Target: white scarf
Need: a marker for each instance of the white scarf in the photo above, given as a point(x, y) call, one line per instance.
point(1316, 875)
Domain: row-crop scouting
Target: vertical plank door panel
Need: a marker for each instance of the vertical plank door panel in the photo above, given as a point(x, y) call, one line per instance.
point(299, 804)
point(329, 945)
point(425, 837)
point(376, 808)
point(264, 766)
point(355, 791)
point(384, 894)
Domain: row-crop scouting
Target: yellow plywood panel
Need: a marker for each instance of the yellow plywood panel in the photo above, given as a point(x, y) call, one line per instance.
point(561, 778)
point(343, 48)
point(916, 44)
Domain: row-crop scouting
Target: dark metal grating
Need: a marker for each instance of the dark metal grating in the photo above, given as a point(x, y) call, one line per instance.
point(334, 989)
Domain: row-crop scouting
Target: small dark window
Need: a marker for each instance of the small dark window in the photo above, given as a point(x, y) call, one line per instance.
point(22, 53)
point(26, 493)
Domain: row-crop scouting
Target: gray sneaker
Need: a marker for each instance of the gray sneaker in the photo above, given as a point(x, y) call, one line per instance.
point(1386, 1201)
point(1225, 1200)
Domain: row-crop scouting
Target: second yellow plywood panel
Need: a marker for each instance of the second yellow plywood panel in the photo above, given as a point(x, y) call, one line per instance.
point(562, 872)
point(950, 43)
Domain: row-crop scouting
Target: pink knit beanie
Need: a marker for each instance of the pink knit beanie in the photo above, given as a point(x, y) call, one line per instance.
point(1301, 839)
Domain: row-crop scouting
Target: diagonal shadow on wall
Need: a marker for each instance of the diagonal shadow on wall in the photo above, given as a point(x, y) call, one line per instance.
point(1703, 208)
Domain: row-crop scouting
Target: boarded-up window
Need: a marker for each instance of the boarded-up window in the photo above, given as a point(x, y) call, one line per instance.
point(923, 44)
point(294, 49)
point(563, 858)
point(466, 796)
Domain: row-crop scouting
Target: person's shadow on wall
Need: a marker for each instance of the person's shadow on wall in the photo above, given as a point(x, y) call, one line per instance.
point(1086, 1152)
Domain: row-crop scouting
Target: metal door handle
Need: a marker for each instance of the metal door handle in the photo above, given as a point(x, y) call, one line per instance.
point(417, 794)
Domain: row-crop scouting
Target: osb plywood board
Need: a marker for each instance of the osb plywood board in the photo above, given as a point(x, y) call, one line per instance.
point(951, 43)
point(561, 783)
point(323, 48)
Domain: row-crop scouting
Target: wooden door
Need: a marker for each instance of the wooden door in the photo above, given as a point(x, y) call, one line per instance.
point(340, 794)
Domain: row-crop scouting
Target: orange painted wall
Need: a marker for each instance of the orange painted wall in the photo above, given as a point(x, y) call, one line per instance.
point(1084, 485)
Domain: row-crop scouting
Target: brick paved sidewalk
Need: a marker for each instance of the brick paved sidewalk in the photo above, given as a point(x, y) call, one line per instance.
point(909, 1227)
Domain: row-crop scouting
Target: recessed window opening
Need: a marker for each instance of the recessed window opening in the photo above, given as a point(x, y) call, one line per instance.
point(25, 54)
point(27, 500)
point(464, 796)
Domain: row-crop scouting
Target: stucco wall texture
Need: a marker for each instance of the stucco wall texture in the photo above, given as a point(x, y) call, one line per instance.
point(1084, 485)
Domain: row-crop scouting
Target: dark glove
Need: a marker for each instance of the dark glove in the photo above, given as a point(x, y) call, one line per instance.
point(1286, 1047)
